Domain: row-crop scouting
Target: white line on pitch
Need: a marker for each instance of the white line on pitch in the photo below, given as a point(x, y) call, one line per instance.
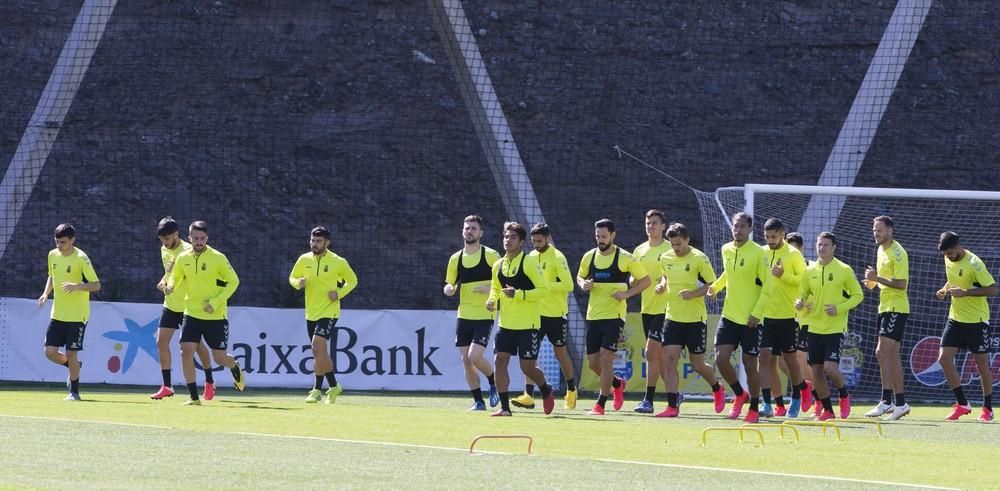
point(87, 421)
point(362, 442)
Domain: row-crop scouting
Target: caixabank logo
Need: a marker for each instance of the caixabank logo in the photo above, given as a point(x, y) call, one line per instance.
point(134, 339)
point(927, 370)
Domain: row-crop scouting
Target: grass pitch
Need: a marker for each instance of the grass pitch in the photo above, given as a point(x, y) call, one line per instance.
point(271, 439)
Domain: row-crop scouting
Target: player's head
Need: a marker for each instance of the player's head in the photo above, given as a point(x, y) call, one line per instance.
point(472, 229)
point(604, 233)
point(882, 229)
point(319, 239)
point(742, 224)
point(656, 224)
point(774, 233)
point(677, 234)
point(65, 236)
point(198, 235)
point(826, 246)
point(951, 246)
point(513, 236)
point(540, 237)
point(168, 232)
point(795, 240)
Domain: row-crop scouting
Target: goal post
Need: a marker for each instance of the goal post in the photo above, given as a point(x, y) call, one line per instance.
point(920, 215)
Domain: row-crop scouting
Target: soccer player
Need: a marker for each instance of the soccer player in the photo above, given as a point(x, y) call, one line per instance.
point(780, 330)
point(71, 280)
point(171, 245)
point(517, 288)
point(891, 274)
point(469, 273)
point(968, 284)
point(654, 303)
point(553, 309)
point(794, 239)
point(604, 274)
point(686, 275)
point(210, 280)
point(745, 269)
point(327, 278)
point(828, 292)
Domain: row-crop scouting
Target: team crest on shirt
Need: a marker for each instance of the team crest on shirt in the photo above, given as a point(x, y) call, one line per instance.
point(959, 273)
point(687, 267)
point(741, 263)
point(829, 278)
point(326, 268)
point(204, 266)
point(69, 268)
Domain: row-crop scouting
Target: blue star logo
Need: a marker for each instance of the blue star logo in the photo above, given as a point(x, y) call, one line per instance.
point(137, 337)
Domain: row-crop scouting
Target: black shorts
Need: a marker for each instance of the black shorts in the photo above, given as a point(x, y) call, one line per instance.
point(215, 332)
point(892, 325)
point(802, 343)
point(170, 319)
point(733, 334)
point(974, 337)
point(468, 331)
point(779, 335)
point(321, 327)
point(556, 329)
point(824, 348)
point(652, 326)
point(522, 343)
point(68, 334)
point(604, 334)
point(691, 335)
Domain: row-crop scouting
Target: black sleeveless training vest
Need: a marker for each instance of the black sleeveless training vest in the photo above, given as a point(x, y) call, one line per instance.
point(480, 272)
point(519, 280)
point(611, 274)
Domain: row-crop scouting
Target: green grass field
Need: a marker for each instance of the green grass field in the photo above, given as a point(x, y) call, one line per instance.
point(270, 439)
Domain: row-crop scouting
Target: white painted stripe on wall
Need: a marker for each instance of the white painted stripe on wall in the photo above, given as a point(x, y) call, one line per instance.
point(50, 112)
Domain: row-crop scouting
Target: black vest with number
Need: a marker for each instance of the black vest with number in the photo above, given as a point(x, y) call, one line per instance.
point(480, 272)
point(519, 280)
point(611, 274)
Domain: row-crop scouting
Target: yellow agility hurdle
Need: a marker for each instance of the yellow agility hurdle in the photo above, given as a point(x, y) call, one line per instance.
point(867, 421)
point(472, 445)
point(826, 425)
point(781, 429)
point(741, 430)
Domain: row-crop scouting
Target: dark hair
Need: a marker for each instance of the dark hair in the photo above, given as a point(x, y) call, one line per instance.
point(742, 215)
point(774, 224)
point(540, 229)
point(474, 218)
point(677, 230)
point(166, 226)
point(198, 225)
point(517, 228)
point(886, 220)
point(948, 240)
point(794, 238)
point(65, 230)
point(656, 213)
point(605, 223)
point(320, 231)
point(827, 235)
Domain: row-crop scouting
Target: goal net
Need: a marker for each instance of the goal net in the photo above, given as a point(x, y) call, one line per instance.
point(920, 216)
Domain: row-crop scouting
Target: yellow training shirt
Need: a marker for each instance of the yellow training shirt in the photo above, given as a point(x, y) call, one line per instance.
point(610, 274)
point(520, 312)
point(743, 275)
point(75, 268)
point(209, 277)
point(893, 264)
point(555, 269)
point(829, 284)
point(650, 258)
point(470, 271)
point(323, 274)
point(779, 294)
point(686, 273)
point(968, 272)
point(174, 301)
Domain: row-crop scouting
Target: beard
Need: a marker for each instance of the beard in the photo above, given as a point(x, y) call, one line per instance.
point(603, 247)
point(469, 240)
